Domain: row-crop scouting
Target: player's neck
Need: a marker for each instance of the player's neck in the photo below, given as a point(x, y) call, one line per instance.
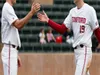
point(79, 5)
point(9, 2)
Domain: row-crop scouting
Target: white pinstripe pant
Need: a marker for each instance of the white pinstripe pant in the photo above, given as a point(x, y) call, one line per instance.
point(83, 57)
point(9, 58)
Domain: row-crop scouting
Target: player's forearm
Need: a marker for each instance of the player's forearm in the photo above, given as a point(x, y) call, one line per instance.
point(59, 28)
point(97, 34)
point(20, 23)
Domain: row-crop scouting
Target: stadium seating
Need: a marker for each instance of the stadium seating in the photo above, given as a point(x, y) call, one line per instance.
point(58, 12)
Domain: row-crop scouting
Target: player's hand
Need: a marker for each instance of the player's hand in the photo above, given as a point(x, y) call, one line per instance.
point(43, 17)
point(35, 7)
point(19, 62)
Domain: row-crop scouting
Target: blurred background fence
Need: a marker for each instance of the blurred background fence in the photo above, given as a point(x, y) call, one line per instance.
point(56, 10)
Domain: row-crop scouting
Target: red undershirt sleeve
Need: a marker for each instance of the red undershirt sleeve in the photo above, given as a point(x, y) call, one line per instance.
point(59, 28)
point(97, 33)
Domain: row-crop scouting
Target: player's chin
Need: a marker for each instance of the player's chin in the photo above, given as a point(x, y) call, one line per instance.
point(75, 1)
point(14, 2)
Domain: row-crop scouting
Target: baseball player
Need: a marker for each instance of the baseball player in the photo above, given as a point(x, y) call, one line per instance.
point(10, 35)
point(82, 20)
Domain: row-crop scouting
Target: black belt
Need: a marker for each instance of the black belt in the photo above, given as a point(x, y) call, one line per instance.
point(81, 46)
point(15, 46)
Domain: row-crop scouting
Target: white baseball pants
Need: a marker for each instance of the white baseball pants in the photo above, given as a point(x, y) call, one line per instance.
point(9, 58)
point(83, 57)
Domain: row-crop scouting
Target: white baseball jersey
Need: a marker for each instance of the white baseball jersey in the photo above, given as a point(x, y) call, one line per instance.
point(8, 31)
point(10, 35)
point(82, 21)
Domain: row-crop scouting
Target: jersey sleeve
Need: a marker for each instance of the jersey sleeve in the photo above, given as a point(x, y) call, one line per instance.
point(93, 19)
point(68, 21)
point(10, 15)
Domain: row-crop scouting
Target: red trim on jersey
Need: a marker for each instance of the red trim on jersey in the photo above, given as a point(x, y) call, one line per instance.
point(84, 60)
point(97, 33)
point(59, 28)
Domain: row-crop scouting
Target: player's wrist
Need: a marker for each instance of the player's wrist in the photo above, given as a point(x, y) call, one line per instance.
point(32, 12)
point(47, 20)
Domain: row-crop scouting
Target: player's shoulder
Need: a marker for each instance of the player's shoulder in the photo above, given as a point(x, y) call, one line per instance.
point(89, 7)
point(7, 5)
point(86, 6)
point(7, 8)
point(72, 9)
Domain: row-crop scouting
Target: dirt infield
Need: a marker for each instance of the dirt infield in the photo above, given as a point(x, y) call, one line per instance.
point(52, 64)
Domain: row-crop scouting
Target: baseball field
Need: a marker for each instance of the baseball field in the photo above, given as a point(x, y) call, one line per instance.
point(52, 64)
